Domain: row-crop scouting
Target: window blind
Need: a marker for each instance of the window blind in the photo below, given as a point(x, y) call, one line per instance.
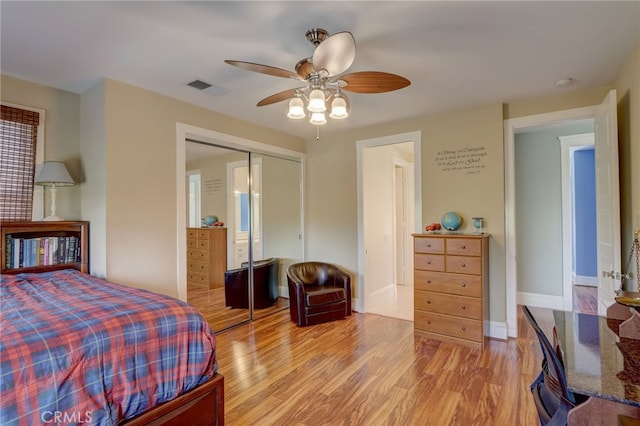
point(18, 138)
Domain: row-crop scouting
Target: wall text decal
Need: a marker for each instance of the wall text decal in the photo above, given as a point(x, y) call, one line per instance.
point(470, 160)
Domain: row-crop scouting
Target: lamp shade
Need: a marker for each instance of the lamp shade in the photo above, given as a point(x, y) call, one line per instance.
point(296, 108)
point(316, 101)
point(339, 108)
point(318, 118)
point(53, 173)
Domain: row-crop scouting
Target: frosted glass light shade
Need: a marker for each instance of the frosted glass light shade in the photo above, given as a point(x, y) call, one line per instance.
point(339, 108)
point(316, 101)
point(318, 118)
point(296, 108)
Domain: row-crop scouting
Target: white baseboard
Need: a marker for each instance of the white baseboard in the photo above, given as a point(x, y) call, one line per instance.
point(498, 330)
point(540, 300)
point(381, 295)
point(284, 291)
point(585, 280)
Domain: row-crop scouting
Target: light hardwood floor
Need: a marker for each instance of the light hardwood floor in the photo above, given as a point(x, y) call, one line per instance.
point(371, 370)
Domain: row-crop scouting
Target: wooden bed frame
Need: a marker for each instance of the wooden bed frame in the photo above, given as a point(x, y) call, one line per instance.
point(202, 406)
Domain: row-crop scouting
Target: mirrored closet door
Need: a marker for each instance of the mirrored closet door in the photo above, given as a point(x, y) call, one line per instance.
point(251, 206)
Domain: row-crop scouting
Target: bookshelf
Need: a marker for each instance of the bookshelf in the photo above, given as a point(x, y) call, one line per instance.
point(44, 246)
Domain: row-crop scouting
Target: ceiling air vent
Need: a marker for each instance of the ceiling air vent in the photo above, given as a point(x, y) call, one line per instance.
point(206, 87)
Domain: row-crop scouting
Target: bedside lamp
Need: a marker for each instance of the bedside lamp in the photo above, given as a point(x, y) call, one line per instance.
point(52, 175)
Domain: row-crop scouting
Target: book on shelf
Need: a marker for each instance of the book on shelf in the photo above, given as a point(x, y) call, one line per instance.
point(41, 251)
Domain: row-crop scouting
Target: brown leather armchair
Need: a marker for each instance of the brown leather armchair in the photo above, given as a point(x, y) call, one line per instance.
point(265, 282)
point(318, 292)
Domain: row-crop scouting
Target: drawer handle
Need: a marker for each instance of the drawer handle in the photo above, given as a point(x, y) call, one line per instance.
point(428, 244)
point(428, 302)
point(429, 322)
point(463, 265)
point(464, 307)
point(463, 284)
point(464, 247)
point(463, 328)
point(428, 262)
point(428, 281)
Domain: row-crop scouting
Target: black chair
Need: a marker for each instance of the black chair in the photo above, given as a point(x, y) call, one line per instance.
point(550, 391)
point(265, 284)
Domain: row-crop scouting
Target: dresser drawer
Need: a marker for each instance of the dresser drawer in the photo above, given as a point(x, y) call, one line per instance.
point(197, 278)
point(428, 245)
point(197, 266)
point(192, 243)
point(461, 306)
point(203, 244)
point(429, 262)
point(197, 254)
point(463, 285)
point(203, 234)
point(192, 233)
point(463, 246)
point(464, 265)
point(447, 325)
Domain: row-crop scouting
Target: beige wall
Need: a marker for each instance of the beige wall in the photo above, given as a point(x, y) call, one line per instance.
point(332, 181)
point(628, 90)
point(140, 158)
point(139, 169)
point(62, 138)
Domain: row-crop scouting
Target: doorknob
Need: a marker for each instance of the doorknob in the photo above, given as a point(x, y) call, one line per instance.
point(609, 274)
point(616, 275)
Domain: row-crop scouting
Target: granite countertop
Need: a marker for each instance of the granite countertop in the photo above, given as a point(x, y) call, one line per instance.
point(597, 361)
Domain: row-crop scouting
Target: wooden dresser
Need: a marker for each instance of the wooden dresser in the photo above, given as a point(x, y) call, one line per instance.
point(206, 256)
point(451, 287)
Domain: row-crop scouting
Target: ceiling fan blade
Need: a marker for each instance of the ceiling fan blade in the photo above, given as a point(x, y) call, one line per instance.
point(264, 69)
point(278, 97)
point(335, 54)
point(373, 82)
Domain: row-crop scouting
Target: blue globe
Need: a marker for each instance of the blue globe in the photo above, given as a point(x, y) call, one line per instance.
point(209, 220)
point(451, 221)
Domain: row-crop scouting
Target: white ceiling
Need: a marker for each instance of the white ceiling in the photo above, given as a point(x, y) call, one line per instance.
point(456, 54)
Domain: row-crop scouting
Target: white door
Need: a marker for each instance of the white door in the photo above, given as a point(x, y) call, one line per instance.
point(608, 201)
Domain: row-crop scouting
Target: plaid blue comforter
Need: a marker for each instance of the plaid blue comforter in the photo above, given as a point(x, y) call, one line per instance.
point(76, 349)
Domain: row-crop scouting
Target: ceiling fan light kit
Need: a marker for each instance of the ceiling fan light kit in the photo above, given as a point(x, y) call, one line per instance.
point(324, 78)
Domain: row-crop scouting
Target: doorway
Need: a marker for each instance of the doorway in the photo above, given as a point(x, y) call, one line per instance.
point(544, 213)
point(608, 207)
point(389, 211)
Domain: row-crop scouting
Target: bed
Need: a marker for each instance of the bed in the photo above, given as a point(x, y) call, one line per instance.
point(76, 349)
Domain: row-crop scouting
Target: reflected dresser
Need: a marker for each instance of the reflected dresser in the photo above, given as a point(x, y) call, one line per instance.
point(451, 287)
point(206, 256)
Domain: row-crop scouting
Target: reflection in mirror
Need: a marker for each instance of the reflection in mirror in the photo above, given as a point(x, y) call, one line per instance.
point(251, 197)
point(207, 245)
point(278, 235)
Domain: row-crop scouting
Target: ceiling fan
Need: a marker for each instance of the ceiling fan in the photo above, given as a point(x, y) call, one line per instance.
point(324, 78)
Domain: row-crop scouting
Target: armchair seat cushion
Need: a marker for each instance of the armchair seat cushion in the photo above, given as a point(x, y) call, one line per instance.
point(324, 295)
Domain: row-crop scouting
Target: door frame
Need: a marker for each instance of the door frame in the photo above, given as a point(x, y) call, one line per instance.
point(511, 126)
point(568, 146)
point(415, 137)
point(256, 165)
point(187, 131)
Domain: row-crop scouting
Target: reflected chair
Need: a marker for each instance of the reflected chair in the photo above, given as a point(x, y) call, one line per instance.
point(318, 292)
point(265, 284)
point(550, 391)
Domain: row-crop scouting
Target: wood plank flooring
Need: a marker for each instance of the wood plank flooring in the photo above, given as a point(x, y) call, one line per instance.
point(211, 303)
point(371, 370)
